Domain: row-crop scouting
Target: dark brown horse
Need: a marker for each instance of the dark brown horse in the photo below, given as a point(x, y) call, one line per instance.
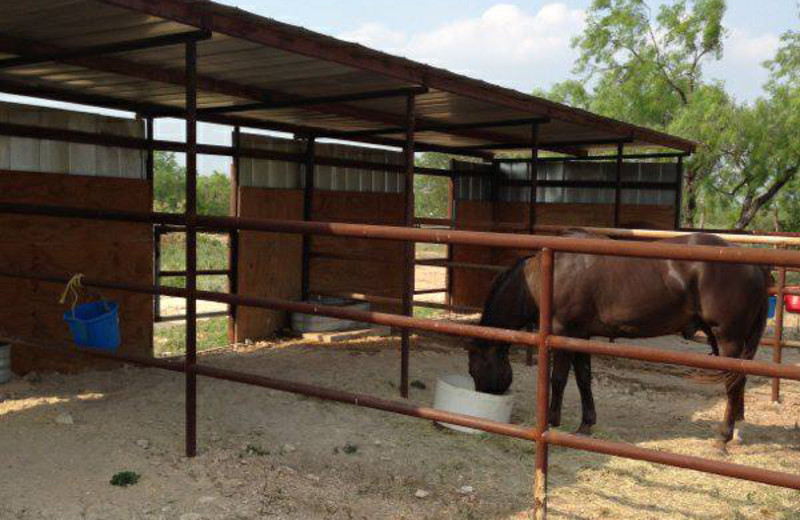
point(620, 297)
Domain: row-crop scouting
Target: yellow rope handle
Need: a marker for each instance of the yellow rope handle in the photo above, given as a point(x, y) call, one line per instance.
point(73, 287)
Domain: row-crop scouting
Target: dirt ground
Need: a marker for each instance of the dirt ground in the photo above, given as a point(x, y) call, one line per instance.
point(266, 454)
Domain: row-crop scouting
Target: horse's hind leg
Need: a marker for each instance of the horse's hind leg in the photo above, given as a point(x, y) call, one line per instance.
point(558, 381)
point(583, 376)
point(734, 388)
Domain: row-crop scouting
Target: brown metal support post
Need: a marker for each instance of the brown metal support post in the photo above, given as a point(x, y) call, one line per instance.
point(451, 216)
point(543, 384)
point(191, 249)
point(618, 187)
point(679, 193)
point(534, 193)
point(233, 236)
point(149, 177)
point(410, 247)
point(308, 208)
point(777, 347)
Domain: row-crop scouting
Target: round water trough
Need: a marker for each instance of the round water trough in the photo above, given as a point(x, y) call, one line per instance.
point(456, 393)
point(311, 323)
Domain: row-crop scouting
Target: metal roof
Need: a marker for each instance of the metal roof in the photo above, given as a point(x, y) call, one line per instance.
point(250, 59)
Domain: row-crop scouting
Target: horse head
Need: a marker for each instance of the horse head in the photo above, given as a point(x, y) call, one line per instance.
point(489, 366)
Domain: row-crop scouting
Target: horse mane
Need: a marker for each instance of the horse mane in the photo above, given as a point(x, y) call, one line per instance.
point(499, 282)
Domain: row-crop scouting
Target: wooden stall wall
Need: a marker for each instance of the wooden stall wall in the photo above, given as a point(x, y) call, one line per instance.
point(269, 263)
point(353, 265)
point(470, 287)
point(115, 251)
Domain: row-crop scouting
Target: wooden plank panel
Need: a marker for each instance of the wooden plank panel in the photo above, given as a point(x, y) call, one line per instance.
point(114, 251)
point(647, 216)
point(269, 263)
point(372, 208)
point(470, 286)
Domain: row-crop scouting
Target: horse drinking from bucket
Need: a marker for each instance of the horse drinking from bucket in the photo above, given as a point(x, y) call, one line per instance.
point(630, 298)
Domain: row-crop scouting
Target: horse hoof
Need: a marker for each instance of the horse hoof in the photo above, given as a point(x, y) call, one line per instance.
point(721, 446)
point(737, 437)
point(584, 429)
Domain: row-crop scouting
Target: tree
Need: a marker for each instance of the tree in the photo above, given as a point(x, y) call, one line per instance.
point(431, 193)
point(169, 188)
point(647, 68)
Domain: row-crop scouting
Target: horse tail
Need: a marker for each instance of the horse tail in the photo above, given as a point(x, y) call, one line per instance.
point(751, 343)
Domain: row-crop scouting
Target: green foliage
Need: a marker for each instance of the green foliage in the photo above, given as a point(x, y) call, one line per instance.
point(431, 193)
point(170, 338)
point(125, 478)
point(169, 188)
point(212, 253)
point(645, 66)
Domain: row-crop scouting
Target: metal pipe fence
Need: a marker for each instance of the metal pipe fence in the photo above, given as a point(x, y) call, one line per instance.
point(543, 340)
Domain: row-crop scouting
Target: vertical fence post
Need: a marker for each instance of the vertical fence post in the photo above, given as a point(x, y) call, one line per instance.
point(543, 383)
point(233, 236)
point(191, 249)
point(156, 272)
point(679, 193)
point(534, 192)
point(410, 247)
point(777, 353)
point(618, 186)
point(451, 216)
point(308, 206)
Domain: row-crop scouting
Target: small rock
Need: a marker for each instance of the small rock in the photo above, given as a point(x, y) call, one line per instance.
point(312, 477)
point(206, 500)
point(65, 418)
point(421, 493)
point(465, 490)
point(378, 443)
point(143, 443)
point(287, 448)
point(248, 342)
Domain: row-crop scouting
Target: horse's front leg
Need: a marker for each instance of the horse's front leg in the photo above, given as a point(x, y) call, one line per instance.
point(558, 381)
point(583, 376)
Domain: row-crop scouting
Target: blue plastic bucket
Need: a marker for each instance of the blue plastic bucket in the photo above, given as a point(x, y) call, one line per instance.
point(95, 325)
point(773, 301)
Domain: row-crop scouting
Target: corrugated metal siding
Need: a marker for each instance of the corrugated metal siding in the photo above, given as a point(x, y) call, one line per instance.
point(479, 188)
point(261, 173)
point(37, 155)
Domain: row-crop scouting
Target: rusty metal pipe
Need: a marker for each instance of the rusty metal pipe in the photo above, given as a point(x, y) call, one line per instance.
point(756, 368)
point(629, 451)
point(369, 401)
point(543, 383)
point(512, 241)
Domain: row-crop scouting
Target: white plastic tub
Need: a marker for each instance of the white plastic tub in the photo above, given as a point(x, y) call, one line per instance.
point(456, 393)
point(313, 323)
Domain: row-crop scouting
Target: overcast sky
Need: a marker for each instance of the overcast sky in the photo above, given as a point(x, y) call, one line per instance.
point(518, 44)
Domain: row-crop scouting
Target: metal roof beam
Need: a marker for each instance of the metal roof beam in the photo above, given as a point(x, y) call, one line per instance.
point(102, 50)
point(143, 108)
point(172, 76)
point(551, 144)
point(432, 126)
point(314, 101)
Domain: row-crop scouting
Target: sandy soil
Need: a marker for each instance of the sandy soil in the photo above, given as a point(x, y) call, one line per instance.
point(265, 454)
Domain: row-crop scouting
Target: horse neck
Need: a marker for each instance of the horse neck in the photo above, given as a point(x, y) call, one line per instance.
point(511, 304)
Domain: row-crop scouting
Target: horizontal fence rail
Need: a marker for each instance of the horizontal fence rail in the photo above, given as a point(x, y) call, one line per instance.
point(544, 340)
point(652, 250)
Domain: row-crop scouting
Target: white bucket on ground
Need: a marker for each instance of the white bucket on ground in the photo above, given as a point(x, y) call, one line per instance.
point(5, 363)
point(456, 393)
